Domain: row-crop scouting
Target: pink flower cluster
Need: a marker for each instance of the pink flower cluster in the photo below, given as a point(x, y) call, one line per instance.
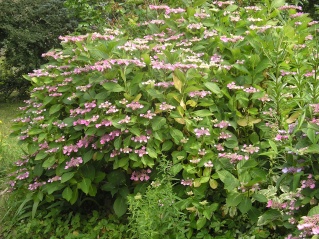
point(222, 124)
point(234, 157)
point(250, 149)
point(309, 225)
point(167, 9)
point(282, 135)
point(74, 162)
point(141, 175)
point(199, 93)
point(134, 105)
point(308, 183)
point(141, 138)
point(109, 137)
point(35, 185)
point(148, 115)
point(291, 170)
point(202, 131)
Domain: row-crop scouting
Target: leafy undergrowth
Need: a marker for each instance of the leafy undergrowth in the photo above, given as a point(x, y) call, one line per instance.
point(226, 95)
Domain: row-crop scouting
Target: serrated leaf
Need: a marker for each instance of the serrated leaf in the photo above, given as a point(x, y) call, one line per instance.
point(277, 3)
point(178, 84)
point(202, 113)
point(84, 185)
point(158, 122)
point(213, 87)
point(200, 223)
point(245, 205)
point(67, 176)
point(41, 155)
point(259, 197)
point(234, 198)
point(67, 194)
point(176, 134)
point(55, 108)
point(120, 206)
point(313, 211)
point(113, 87)
point(167, 145)
point(248, 121)
point(49, 162)
point(268, 216)
point(229, 180)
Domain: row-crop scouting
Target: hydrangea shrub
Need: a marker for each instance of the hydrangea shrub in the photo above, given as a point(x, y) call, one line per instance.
point(227, 93)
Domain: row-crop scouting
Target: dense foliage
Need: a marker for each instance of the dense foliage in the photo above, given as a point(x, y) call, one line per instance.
point(226, 94)
point(27, 29)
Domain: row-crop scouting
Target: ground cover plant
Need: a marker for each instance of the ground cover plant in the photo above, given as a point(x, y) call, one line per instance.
point(226, 93)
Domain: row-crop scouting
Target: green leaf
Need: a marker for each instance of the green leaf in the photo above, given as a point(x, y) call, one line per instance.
point(231, 143)
point(277, 3)
point(176, 168)
point(234, 198)
point(177, 83)
point(241, 68)
point(313, 211)
point(32, 148)
point(231, 183)
point(135, 131)
point(201, 223)
point(35, 207)
point(151, 152)
point(75, 196)
point(231, 8)
point(296, 180)
point(311, 134)
point(116, 177)
point(246, 164)
point(113, 87)
point(198, 3)
point(273, 146)
point(158, 122)
point(55, 108)
point(88, 171)
point(202, 113)
point(84, 185)
point(40, 155)
point(269, 216)
point(99, 176)
point(254, 138)
point(245, 205)
point(120, 206)
point(88, 156)
point(259, 197)
point(49, 162)
point(67, 194)
point(314, 148)
point(35, 131)
point(213, 87)
point(176, 134)
point(167, 145)
point(67, 176)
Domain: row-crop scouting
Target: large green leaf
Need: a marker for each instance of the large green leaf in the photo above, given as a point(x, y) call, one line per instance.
point(67, 193)
point(158, 122)
point(230, 182)
point(120, 206)
point(268, 216)
point(84, 185)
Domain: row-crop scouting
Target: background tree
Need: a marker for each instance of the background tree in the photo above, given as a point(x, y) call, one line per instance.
point(28, 28)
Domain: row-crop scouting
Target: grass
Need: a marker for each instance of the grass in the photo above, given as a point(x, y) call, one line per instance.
point(10, 151)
